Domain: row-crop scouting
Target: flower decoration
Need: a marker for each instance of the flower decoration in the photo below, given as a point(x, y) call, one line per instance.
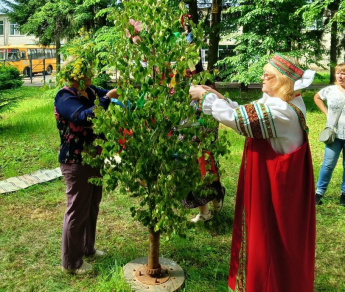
point(138, 27)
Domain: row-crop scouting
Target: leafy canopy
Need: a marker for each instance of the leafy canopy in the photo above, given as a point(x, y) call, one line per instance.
point(145, 148)
point(263, 27)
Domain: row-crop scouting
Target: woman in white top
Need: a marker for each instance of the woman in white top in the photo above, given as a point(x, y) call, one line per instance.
point(335, 97)
point(273, 240)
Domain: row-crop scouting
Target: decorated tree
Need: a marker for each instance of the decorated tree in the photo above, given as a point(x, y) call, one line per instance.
point(152, 138)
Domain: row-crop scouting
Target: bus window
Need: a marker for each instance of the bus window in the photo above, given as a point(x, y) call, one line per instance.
point(53, 53)
point(48, 53)
point(22, 55)
point(40, 53)
point(2, 54)
point(13, 55)
point(32, 54)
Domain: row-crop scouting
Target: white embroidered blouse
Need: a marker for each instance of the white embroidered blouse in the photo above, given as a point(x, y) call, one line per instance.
point(268, 118)
point(335, 102)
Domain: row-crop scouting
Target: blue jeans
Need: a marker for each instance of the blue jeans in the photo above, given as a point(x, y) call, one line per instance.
point(332, 152)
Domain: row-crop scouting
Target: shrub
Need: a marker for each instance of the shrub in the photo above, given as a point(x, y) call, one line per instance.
point(10, 78)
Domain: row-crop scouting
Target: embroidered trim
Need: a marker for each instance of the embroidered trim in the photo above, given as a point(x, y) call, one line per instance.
point(242, 269)
point(255, 120)
point(301, 117)
point(200, 105)
point(286, 67)
point(201, 100)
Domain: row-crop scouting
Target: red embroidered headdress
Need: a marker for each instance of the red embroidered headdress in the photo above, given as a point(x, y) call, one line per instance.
point(301, 78)
point(286, 67)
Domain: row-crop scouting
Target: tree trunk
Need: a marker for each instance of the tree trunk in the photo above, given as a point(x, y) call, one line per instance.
point(153, 258)
point(243, 87)
point(193, 10)
point(333, 49)
point(214, 33)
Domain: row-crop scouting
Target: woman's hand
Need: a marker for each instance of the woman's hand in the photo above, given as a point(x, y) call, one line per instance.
point(209, 89)
point(112, 94)
point(196, 92)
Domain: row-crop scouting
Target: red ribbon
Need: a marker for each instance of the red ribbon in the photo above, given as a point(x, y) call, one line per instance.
point(202, 164)
point(183, 16)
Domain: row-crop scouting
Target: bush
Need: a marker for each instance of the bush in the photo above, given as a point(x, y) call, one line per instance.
point(10, 78)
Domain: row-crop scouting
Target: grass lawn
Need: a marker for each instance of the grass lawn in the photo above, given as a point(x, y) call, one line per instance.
point(31, 219)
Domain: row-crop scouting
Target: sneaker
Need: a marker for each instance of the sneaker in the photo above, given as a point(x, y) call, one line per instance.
point(202, 217)
point(342, 199)
point(84, 269)
point(318, 198)
point(97, 254)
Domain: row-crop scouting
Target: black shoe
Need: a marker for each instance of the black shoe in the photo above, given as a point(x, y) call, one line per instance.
point(342, 199)
point(318, 198)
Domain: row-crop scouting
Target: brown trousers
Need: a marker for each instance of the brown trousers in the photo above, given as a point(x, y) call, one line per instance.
point(79, 225)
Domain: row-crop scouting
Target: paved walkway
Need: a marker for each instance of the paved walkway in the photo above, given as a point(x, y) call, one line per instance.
point(24, 181)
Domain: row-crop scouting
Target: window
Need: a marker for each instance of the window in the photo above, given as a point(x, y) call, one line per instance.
point(32, 53)
point(14, 29)
point(1, 27)
point(48, 53)
point(40, 53)
point(13, 55)
point(2, 54)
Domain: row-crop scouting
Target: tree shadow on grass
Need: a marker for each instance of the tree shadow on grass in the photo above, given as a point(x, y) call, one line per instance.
point(7, 103)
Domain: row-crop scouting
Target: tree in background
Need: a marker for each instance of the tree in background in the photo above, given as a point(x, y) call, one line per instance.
point(48, 20)
point(265, 27)
point(214, 36)
point(212, 24)
point(193, 10)
point(53, 21)
point(328, 17)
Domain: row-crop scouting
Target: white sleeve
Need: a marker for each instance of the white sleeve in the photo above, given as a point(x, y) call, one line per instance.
point(211, 99)
point(325, 92)
point(270, 119)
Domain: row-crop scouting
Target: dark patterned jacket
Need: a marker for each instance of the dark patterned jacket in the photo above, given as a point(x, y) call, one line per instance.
point(73, 113)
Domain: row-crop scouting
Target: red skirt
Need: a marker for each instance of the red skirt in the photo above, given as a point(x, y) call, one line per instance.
point(273, 242)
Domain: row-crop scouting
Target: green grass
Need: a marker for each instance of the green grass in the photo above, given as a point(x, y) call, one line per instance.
point(31, 219)
point(321, 78)
point(28, 132)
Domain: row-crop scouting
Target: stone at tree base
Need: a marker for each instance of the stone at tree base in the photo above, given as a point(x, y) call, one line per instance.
point(174, 283)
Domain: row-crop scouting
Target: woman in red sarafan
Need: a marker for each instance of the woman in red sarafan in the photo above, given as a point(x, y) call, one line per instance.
point(273, 241)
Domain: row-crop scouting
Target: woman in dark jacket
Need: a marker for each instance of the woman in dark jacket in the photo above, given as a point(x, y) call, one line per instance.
point(74, 105)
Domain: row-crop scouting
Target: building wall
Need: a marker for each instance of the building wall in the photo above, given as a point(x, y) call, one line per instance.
point(6, 38)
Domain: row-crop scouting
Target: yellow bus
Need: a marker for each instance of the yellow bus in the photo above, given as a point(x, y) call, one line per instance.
point(29, 59)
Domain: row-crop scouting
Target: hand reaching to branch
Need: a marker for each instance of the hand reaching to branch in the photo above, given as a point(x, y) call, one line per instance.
point(198, 91)
point(112, 94)
point(209, 89)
